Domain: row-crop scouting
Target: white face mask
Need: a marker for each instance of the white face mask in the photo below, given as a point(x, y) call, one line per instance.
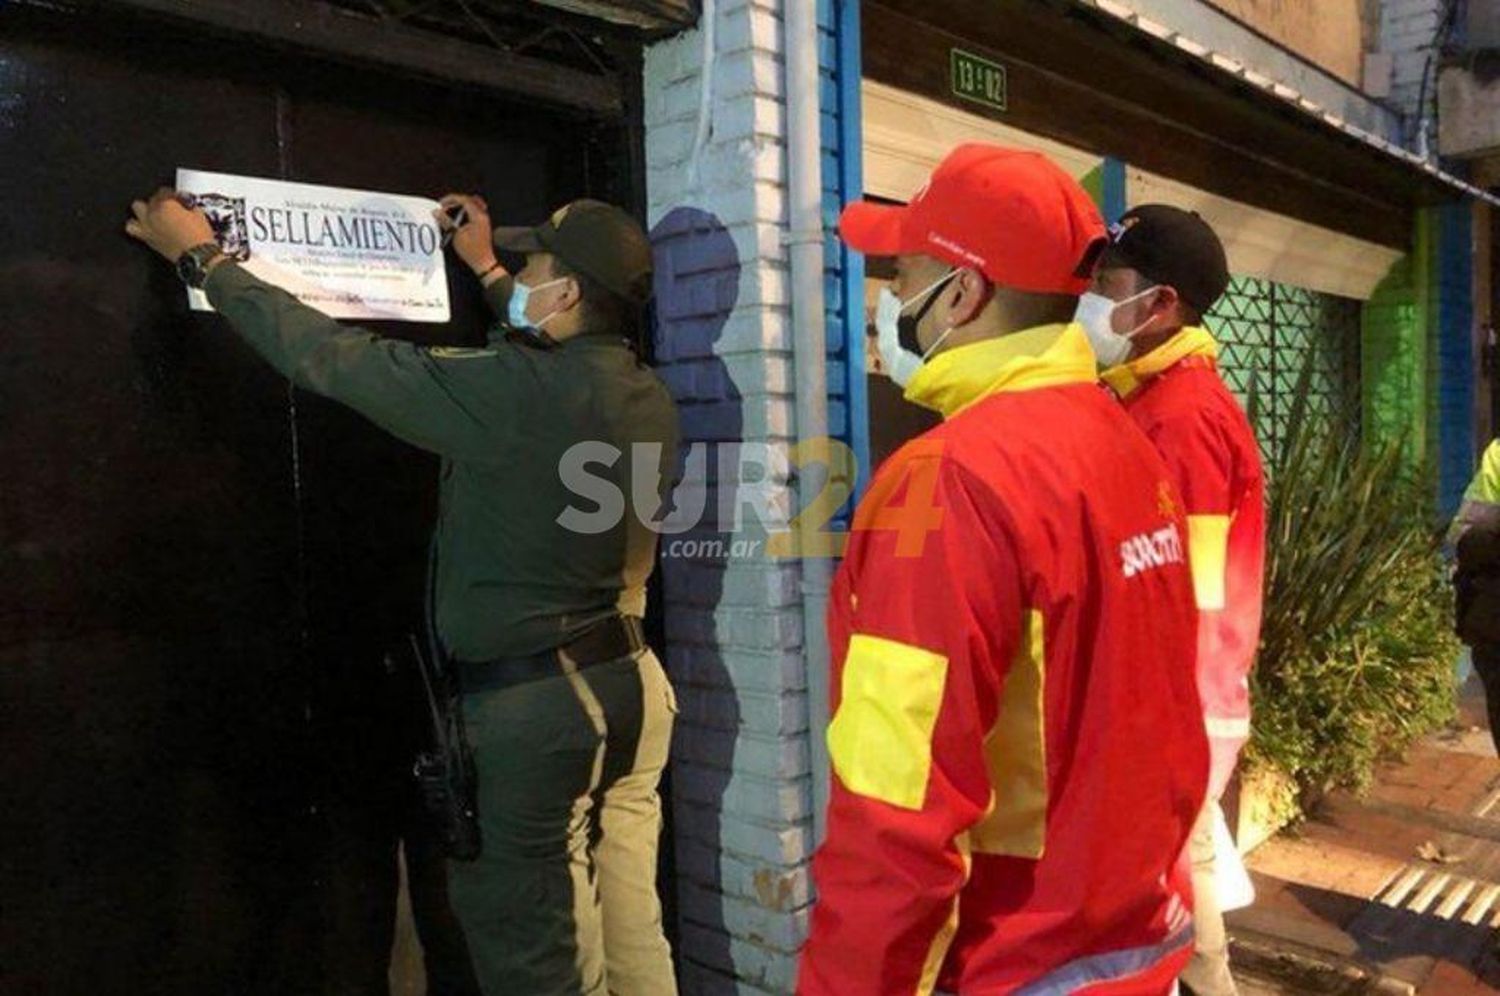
point(900, 363)
point(1096, 314)
point(520, 297)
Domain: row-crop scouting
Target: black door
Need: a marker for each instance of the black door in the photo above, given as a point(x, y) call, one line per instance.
point(200, 567)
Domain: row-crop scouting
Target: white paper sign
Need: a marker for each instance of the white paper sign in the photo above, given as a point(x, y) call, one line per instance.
point(348, 253)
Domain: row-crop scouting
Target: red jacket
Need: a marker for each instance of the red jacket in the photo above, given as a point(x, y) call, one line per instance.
point(1176, 396)
point(1017, 746)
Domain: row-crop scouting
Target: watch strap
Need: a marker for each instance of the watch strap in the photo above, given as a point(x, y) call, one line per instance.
point(192, 265)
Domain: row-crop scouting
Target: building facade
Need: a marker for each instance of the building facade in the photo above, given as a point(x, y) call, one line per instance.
point(1299, 136)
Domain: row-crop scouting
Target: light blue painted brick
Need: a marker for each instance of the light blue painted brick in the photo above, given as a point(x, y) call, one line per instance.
point(680, 381)
point(838, 380)
point(831, 287)
point(782, 931)
point(683, 255)
point(695, 861)
point(685, 338)
point(754, 728)
point(747, 71)
point(780, 715)
point(690, 584)
point(767, 757)
point(766, 417)
point(760, 840)
point(833, 261)
point(828, 89)
point(742, 793)
point(712, 420)
point(759, 712)
point(772, 630)
point(775, 887)
point(743, 462)
point(713, 379)
point(743, 26)
point(690, 625)
point(771, 980)
point(747, 116)
point(709, 666)
point(695, 980)
point(700, 707)
point(757, 374)
point(757, 970)
point(773, 585)
point(838, 416)
point(669, 143)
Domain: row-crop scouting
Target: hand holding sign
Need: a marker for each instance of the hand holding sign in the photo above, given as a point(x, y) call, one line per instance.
point(165, 224)
point(472, 235)
point(358, 254)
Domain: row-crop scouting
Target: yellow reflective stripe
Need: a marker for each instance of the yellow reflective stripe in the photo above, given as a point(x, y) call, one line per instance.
point(1208, 553)
point(1016, 754)
point(1486, 484)
point(1226, 728)
point(880, 741)
point(944, 939)
point(1127, 378)
point(1045, 356)
point(1122, 380)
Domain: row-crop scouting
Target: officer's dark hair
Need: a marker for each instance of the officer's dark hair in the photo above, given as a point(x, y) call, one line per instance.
point(603, 309)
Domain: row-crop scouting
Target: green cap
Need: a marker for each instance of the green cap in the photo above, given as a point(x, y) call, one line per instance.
point(594, 238)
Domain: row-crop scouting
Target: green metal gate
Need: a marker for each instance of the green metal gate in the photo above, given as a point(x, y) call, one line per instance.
point(1269, 333)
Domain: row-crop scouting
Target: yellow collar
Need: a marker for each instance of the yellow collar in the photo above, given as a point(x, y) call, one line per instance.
point(1131, 376)
point(1022, 361)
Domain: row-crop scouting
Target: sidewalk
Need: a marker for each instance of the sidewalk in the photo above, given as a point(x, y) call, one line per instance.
point(1397, 892)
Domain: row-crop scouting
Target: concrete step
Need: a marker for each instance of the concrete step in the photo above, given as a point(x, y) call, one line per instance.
point(1398, 892)
point(1267, 965)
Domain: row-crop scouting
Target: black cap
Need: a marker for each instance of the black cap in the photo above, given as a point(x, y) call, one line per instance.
point(594, 238)
point(1170, 246)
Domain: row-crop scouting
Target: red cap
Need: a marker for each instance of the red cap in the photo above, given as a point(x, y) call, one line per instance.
point(1013, 215)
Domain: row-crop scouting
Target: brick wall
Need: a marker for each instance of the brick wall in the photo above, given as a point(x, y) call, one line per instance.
point(1456, 361)
point(742, 759)
point(1408, 31)
point(1326, 33)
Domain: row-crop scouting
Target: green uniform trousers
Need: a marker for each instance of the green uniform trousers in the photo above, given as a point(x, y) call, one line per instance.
point(562, 901)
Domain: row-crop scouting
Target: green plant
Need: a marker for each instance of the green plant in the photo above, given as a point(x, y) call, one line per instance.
point(1357, 646)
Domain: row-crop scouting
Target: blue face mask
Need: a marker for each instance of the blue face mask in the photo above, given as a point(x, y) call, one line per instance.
point(520, 296)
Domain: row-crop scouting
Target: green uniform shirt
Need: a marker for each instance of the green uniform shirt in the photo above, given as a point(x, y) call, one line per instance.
point(509, 578)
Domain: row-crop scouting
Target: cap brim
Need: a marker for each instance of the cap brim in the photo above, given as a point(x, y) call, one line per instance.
point(875, 229)
point(518, 240)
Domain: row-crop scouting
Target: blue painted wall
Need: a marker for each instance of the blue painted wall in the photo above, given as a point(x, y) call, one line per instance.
point(1112, 195)
point(839, 60)
point(1457, 450)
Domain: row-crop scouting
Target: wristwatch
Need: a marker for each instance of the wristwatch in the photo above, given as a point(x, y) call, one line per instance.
point(192, 265)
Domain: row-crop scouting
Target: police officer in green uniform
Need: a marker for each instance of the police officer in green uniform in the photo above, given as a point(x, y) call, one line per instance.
point(568, 712)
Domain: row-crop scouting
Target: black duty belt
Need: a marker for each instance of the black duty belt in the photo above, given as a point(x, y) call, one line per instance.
point(610, 640)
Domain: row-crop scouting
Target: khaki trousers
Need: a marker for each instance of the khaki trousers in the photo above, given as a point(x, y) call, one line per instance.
point(562, 901)
point(1208, 973)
